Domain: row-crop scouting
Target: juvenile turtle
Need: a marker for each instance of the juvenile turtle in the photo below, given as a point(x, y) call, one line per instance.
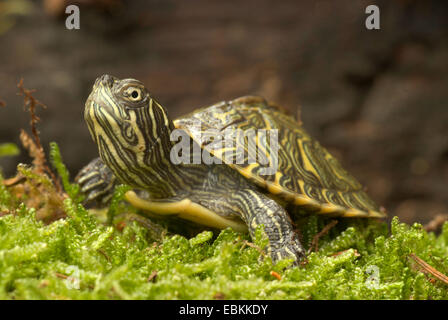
point(139, 145)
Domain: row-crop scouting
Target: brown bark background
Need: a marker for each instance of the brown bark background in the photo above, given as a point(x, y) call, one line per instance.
point(376, 99)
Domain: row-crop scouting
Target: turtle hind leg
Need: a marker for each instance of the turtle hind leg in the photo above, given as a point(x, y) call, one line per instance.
point(257, 209)
point(97, 182)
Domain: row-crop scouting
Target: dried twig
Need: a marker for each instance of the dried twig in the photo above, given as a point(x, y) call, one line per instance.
point(426, 268)
point(250, 244)
point(34, 146)
point(34, 151)
point(219, 296)
point(152, 276)
point(104, 255)
point(42, 187)
point(324, 231)
point(13, 181)
point(436, 222)
point(31, 103)
point(60, 275)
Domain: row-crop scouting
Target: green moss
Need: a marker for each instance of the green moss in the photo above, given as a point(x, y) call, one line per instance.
point(8, 149)
point(56, 160)
point(79, 257)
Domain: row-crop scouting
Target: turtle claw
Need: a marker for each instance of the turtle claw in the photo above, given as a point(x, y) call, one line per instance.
point(97, 182)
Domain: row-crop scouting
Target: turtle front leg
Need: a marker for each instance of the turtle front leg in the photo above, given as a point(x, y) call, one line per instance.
point(97, 181)
point(258, 209)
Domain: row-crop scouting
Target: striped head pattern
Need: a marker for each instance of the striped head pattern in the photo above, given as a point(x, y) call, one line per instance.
point(131, 129)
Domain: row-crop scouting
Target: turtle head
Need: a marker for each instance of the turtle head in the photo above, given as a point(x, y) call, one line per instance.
point(127, 124)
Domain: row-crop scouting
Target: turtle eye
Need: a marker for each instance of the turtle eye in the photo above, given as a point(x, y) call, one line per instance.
point(134, 94)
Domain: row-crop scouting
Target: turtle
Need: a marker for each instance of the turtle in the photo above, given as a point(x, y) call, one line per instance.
point(214, 181)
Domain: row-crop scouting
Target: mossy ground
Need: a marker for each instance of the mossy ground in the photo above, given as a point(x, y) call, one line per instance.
point(81, 256)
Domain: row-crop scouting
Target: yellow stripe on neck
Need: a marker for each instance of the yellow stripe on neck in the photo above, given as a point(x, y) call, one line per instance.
point(185, 209)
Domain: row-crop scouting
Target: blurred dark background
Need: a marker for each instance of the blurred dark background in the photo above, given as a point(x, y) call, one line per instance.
point(376, 99)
